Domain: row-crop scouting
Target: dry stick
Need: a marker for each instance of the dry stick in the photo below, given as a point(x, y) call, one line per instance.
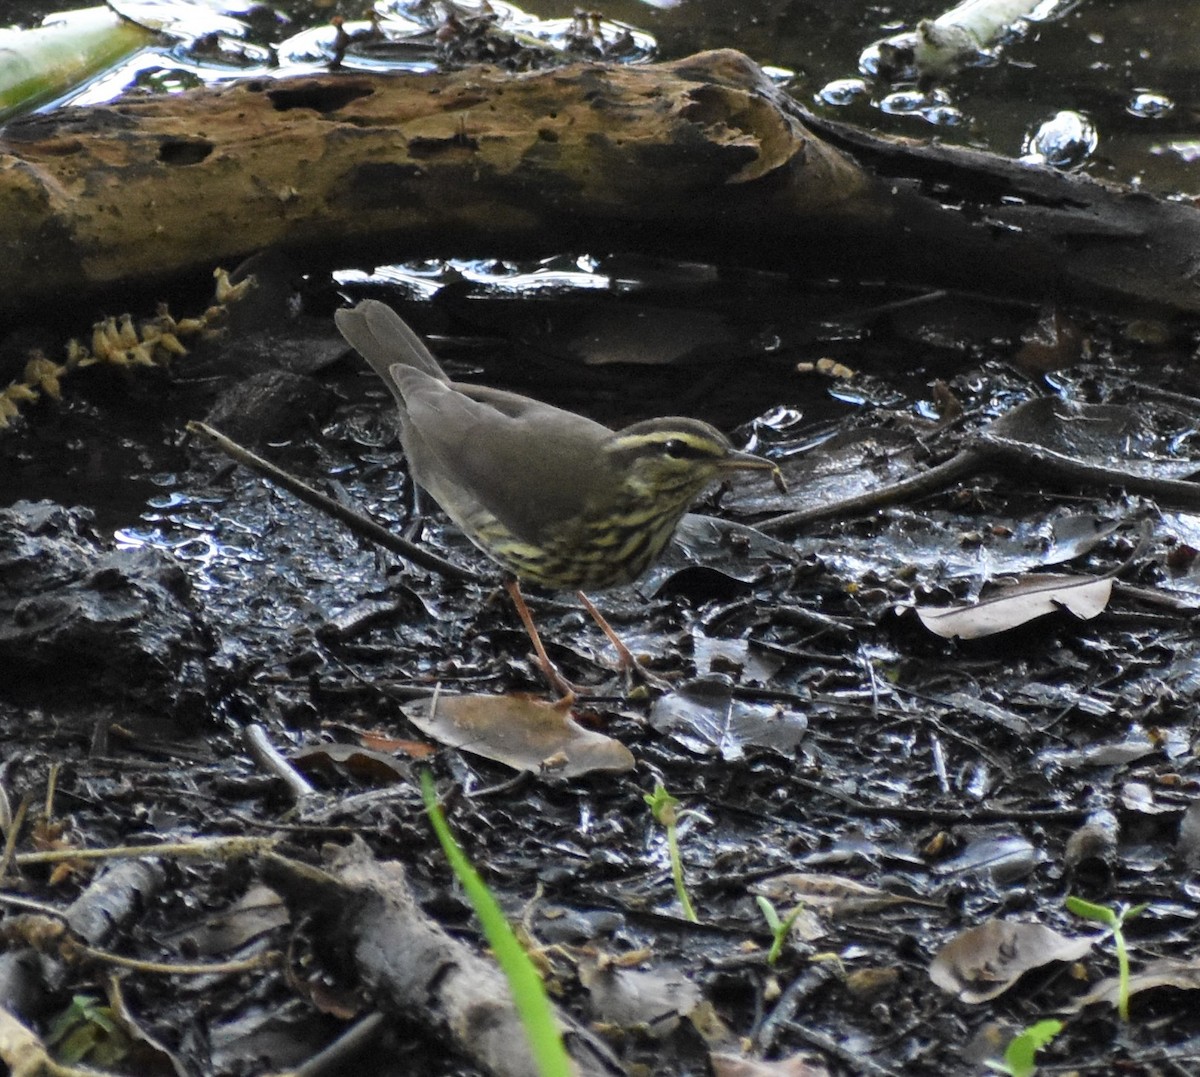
point(935, 479)
point(14, 833)
point(989, 448)
point(1180, 492)
point(265, 960)
point(225, 848)
point(348, 1046)
point(356, 521)
point(269, 758)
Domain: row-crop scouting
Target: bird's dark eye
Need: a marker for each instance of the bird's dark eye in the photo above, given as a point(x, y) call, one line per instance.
point(676, 448)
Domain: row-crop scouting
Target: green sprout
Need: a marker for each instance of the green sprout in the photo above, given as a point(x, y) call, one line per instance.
point(779, 928)
point(1114, 920)
point(528, 991)
point(1020, 1052)
point(87, 1032)
point(662, 806)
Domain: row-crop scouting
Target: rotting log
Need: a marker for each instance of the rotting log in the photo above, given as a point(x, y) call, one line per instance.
point(699, 158)
point(351, 169)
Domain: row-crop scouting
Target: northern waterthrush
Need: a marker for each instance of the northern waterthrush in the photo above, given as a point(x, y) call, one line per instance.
point(556, 499)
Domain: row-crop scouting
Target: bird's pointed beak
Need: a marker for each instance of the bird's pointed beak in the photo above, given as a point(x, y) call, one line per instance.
point(745, 461)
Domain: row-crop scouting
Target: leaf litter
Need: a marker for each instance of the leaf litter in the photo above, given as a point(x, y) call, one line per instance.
point(949, 778)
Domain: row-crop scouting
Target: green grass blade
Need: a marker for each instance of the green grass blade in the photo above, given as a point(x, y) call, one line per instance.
point(528, 991)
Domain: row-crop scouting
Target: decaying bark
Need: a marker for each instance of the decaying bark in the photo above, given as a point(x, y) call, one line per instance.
point(699, 158)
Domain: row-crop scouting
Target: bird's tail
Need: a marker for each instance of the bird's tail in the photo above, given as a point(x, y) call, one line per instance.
point(385, 340)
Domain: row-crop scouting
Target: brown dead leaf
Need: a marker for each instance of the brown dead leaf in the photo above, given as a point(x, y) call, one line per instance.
point(521, 732)
point(379, 768)
point(1011, 607)
point(257, 912)
point(653, 1001)
point(871, 983)
point(985, 961)
point(833, 894)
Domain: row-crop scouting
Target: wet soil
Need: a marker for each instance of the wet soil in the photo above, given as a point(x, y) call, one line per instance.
point(156, 601)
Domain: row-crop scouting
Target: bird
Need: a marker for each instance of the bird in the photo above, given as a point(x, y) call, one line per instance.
point(556, 499)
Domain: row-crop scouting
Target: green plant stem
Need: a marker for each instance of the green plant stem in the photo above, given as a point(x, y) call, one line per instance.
point(677, 874)
point(1122, 973)
point(528, 991)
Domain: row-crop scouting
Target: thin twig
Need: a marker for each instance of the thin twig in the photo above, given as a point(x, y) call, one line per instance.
point(270, 759)
point(936, 478)
point(267, 959)
point(226, 848)
point(361, 525)
point(1050, 464)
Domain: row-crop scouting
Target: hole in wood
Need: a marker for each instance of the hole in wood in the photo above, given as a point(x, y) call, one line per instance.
point(179, 151)
point(321, 97)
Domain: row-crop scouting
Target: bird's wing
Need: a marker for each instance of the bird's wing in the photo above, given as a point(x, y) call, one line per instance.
point(525, 462)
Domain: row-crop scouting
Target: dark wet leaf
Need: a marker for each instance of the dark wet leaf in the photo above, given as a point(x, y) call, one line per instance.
point(991, 712)
point(736, 658)
point(521, 732)
point(1002, 858)
point(147, 1055)
point(1189, 835)
point(1139, 797)
point(1075, 535)
point(985, 961)
point(1140, 441)
point(841, 467)
point(935, 544)
point(836, 895)
point(704, 717)
point(1011, 607)
point(1137, 744)
point(255, 913)
point(733, 550)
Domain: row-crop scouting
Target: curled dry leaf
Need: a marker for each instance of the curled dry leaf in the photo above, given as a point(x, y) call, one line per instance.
point(521, 732)
point(654, 1001)
point(1168, 972)
point(1014, 606)
point(835, 895)
point(985, 961)
point(364, 764)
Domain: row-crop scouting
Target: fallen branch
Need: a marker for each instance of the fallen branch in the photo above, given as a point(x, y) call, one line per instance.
point(413, 967)
point(700, 158)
